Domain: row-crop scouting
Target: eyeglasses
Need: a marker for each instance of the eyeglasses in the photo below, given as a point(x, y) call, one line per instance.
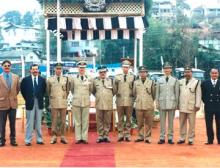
point(7, 66)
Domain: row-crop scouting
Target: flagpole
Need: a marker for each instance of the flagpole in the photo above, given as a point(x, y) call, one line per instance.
point(58, 33)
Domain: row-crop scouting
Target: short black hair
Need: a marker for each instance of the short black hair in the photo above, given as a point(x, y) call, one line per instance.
point(33, 65)
point(6, 61)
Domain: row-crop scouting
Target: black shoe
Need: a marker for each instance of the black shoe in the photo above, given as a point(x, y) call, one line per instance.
point(161, 141)
point(139, 140)
point(208, 143)
point(121, 139)
point(84, 142)
point(63, 141)
point(78, 142)
point(27, 144)
point(181, 142)
point(147, 141)
point(170, 141)
point(127, 139)
point(190, 143)
point(14, 143)
point(99, 140)
point(106, 140)
point(40, 143)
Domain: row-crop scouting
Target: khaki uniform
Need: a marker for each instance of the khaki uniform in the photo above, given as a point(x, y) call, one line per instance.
point(103, 91)
point(58, 92)
point(167, 96)
point(124, 102)
point(144, 98)
point(81, 90)
point(190, 97)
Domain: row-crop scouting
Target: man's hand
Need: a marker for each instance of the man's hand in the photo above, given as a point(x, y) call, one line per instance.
point(196, 109)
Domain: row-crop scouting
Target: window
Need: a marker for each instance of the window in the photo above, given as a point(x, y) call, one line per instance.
point(75, 44)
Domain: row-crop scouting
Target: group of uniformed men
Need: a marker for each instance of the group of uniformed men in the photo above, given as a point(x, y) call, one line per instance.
point(168, 94)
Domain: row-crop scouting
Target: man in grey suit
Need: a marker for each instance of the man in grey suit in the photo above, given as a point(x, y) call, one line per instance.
point(167, 95)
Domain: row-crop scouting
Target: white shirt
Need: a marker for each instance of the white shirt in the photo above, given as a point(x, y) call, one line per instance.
point(214, 82)
point(33, 79)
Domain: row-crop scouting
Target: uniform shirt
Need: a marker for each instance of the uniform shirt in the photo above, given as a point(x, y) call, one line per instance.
point(104, 90)
point(124, 89)
point(190, 95)
point(144, 94)
point(81, 90)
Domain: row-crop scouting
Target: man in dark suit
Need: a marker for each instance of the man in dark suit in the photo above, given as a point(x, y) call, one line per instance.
point(33, 89)
point(211, 99)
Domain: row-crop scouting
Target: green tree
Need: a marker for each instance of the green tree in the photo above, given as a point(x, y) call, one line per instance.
point(27, 19)
point(13, 17)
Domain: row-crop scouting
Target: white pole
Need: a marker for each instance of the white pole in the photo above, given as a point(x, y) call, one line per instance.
point(58, 33)
point(196, 64)
point(135, 55)
point(22, 65)
point(93, 62)
point(48, 52)
point(162, 62)
point(141, 49)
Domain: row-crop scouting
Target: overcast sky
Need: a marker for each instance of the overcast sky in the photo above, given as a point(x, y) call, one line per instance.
point(30, 5)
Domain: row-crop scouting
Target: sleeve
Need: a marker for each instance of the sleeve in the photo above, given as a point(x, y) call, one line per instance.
point(48, 87)
point(18, 85)
point(203, 91)
point(134, 90)
point(153, 88)
point(93, 87)
point(22, 88)
point(177, 92)
point(157, 91)
point(72, 85)
point(198, 95)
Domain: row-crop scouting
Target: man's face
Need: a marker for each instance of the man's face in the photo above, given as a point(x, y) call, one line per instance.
point(188, 74)
point(82, 70)
point(102, 74)
point(214, 74)
point(167, 71)
point(6, 67)
point(125, 70)
point(34, 71)
point(58, 71)
point(143, 74)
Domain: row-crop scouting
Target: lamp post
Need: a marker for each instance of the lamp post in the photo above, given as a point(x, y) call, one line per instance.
point(58, 33)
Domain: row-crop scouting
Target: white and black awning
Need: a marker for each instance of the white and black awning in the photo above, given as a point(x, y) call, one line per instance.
point(91, 28)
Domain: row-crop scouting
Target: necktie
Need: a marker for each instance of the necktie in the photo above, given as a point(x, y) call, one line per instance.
point(8, 81)
point(167, 79)
point(187, 81)
point(214, 83)
point(103, 81)
point(82, 78)
point(58, 79)
point(35, 86)
point(125, 78)
point(143, 80)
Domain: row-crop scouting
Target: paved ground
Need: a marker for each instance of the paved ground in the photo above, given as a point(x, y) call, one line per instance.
point(124, 154)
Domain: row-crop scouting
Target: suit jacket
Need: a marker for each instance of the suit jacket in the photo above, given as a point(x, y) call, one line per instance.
point(124, 95)
point(190, 95)
point(8, 96)
point(81, 91)
point(104, 93)
point(144, 94)
point(167, 93)
point(58, 91)
point(27, 91)
point(211, 95)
